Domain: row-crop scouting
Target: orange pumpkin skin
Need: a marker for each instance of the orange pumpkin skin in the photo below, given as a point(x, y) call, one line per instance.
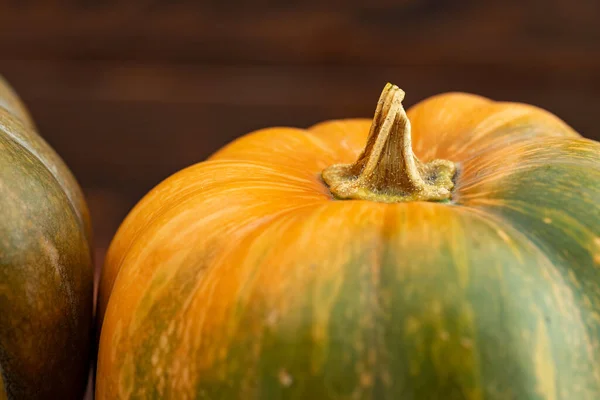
point(242, 277)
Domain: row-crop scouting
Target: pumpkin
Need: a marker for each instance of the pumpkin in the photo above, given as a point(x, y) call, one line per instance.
point(451, 252)
point(46, 274)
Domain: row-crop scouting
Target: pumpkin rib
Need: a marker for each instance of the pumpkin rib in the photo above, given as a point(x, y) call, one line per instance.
point(168, 190)
point(427, 120)
point(498, 165)
point(500, 225)
point(562, 269)
point(291, 147)
point(256, 229)
point(469, 129)
point(571, 176)
point(46, 264)
point(46, 258)
point(111, 324)
point(345, 137)
point(262, 220)
point(529, 116)
point(502, 144)
point(564, 224)
point(249, 292)
point(13, 128)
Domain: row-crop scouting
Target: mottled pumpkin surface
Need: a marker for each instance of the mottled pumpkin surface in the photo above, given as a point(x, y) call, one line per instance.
point(46, 274)
point(243, 278)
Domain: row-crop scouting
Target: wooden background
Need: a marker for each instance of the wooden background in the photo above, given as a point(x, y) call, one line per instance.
point(128, 92)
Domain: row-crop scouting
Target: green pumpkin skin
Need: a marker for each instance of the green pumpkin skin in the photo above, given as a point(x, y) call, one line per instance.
point(46, 271)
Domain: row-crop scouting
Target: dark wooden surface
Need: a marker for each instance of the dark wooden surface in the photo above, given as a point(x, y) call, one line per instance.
point(128, 92)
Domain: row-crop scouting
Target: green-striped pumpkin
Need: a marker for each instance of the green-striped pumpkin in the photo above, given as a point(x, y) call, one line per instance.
point(295, 265)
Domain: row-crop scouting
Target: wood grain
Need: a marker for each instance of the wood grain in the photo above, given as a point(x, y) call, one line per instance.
point(380, 32)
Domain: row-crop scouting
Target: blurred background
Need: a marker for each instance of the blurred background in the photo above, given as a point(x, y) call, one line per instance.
point(129, 92)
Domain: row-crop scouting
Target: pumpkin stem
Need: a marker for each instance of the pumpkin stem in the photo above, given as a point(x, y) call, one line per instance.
point(387, 170)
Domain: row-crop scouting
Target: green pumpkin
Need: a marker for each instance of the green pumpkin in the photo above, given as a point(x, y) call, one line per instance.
point(46, 270)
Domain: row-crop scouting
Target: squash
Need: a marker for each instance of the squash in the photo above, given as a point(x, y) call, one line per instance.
point(46, 273)
point(451, 252)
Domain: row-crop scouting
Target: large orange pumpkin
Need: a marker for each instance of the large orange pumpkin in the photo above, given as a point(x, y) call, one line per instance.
point(332, 263)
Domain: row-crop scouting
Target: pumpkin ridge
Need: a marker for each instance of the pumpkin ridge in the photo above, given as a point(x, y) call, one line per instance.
point(161, 301)
point(262, 223)
point(485, 120)
point(44, 240)
point(491, 166)
point(4, 128)
point(189, 194)
point(561, 269)
point(46, 264)
point(557, 225)
point(55, 264)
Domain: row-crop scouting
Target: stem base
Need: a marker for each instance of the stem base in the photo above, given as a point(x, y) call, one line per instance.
point(438, 184)
point(387, 170)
